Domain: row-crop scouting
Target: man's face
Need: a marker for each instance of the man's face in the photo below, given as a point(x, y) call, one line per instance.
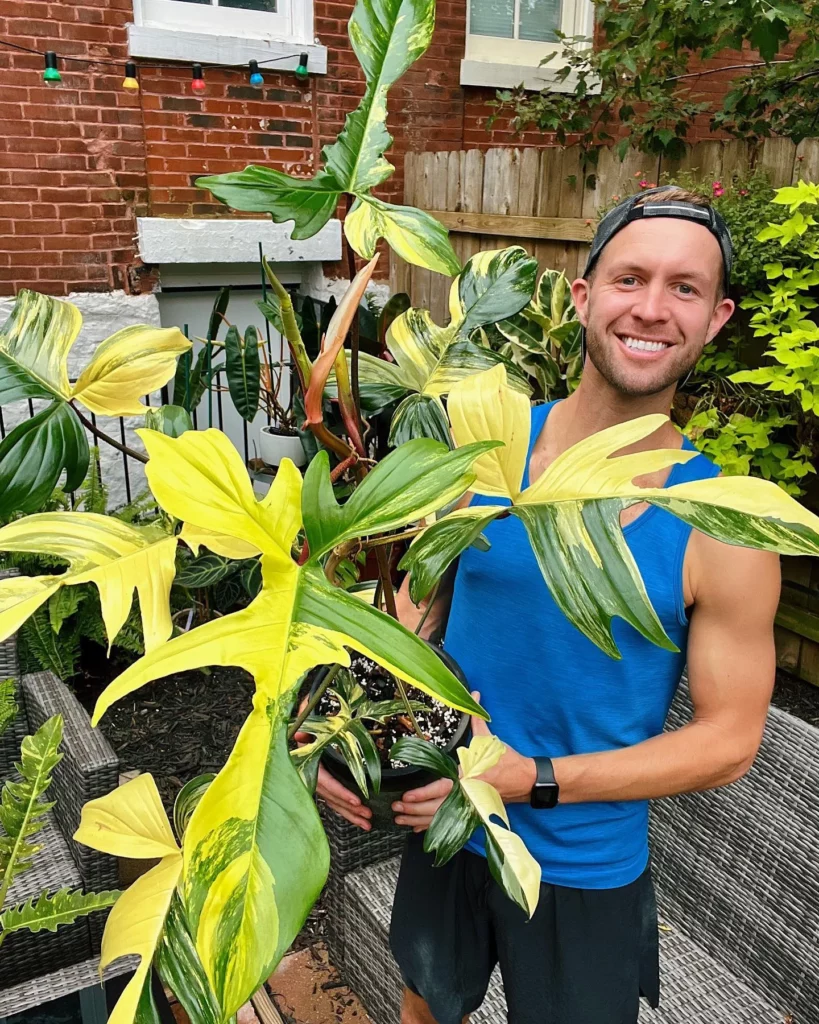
point(651, 306)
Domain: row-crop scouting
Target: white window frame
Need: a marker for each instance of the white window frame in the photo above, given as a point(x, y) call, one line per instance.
point(293, 21)
point(505, 63)
point(209, 34)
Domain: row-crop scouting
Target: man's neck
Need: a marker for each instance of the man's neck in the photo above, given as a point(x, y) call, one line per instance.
point(596, 405)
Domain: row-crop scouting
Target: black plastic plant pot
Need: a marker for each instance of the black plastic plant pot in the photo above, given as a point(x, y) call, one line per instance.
point(394, 781)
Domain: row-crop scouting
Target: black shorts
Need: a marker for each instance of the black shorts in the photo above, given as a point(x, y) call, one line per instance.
point(586, 956)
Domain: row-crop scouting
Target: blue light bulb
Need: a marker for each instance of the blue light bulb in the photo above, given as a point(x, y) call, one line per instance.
point(255, 75)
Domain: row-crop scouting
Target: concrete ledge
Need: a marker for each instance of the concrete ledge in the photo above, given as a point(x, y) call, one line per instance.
point(209, 48)
point(203, 240)
point(510, 76)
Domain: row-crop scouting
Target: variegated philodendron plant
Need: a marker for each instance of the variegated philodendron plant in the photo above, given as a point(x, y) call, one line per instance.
point(235, 883)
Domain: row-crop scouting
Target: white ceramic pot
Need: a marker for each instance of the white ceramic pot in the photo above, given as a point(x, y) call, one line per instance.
point(274, 447)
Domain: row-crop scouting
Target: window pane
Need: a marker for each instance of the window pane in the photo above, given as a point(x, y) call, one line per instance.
point(539, 19)
point(268, 6)
point(493, 18)
point(208, 2)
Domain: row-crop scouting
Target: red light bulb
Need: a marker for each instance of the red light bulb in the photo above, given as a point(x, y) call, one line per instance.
point(198, 79)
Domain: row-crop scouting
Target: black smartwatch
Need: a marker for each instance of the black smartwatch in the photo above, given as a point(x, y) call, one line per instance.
point(545, 790)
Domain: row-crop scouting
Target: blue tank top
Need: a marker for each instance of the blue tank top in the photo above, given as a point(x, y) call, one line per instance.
point(550, 691)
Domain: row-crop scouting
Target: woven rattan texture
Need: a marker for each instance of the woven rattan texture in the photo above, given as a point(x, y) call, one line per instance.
point(13, 736)
point(696, 988)
point(737, 867)
point(27, 994)
point(24, 955)
point(350, 849)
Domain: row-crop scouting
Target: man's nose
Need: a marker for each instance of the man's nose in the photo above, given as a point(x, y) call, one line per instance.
point(651, 303)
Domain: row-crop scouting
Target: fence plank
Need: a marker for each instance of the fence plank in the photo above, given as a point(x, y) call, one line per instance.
point(703, 159)
point(575, 229)
point(400, 276)
point(737, 159)
point(422, 279)
point(777, 160)
point(439, 283)
point(806, 164)
point(550, 187)
point(472, 192)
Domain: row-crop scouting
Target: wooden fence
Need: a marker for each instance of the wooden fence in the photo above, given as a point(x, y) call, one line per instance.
point(537, 198)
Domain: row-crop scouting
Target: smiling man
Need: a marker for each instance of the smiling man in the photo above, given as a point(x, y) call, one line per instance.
point(585, 747)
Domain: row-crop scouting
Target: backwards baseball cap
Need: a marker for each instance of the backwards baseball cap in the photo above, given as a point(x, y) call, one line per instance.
point(628, 210)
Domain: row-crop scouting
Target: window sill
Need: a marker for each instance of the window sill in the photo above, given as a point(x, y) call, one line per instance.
point(510, 76)
point(205, 48)
point(231, 240)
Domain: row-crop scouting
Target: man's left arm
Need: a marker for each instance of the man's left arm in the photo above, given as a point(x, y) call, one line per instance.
point(731, 668)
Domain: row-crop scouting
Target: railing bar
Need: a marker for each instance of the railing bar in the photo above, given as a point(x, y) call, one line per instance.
point(125, 461)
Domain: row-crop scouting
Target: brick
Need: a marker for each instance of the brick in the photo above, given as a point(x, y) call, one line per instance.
point(180, 103)
point(266, 139)
point(203, 121)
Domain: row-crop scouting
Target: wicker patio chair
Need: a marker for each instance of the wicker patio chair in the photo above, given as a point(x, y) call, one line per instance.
point(89, 769)
point(737, 886)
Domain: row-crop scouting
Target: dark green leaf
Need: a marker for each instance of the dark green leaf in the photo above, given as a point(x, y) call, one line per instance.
point(434, 551)
point(415, 479)
point(419, 416)
point(250, 576)
point(243, 370)
point(217, 313)
point(372, 759)
point(309, 202)
point(36, 452)
point(494, 287)
point(172, 420)
point(205, 570)
point(181, 969)
point(451, 827)
point(423, 754)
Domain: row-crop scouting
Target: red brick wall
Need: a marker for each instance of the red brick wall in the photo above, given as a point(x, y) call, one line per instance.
point(80, 161)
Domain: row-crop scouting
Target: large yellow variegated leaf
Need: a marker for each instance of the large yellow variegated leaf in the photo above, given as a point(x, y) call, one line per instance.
point(262, 639)
point(220, 543)
point(131, 822)
point(417, 343)
point(256, 858)
point(128, 822)
point(128, 365)
point(116, 557)
point(134, 927)
point(201, 479)
point(484, 407)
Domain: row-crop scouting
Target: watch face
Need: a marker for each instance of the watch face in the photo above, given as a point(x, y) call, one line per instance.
point(544, 795)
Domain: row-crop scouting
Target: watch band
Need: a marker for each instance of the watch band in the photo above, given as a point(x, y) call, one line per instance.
point(546, 790)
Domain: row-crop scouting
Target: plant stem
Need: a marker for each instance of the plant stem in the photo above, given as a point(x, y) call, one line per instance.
point(389, 599)
point(310, 706)
point(108, 440)
point(430, 602)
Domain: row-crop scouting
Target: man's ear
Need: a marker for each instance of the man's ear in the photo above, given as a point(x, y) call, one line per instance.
point(580, 296)
point(719, 318)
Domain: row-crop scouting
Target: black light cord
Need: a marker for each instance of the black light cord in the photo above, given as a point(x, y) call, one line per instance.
point(122, 63)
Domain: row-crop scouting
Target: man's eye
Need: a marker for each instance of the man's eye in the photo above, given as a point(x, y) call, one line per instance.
point(686, 289)
point(628, 280)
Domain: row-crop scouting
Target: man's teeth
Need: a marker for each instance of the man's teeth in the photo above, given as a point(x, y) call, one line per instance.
point(644, 346)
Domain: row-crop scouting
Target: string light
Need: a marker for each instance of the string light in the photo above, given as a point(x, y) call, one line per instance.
point(197, 79)
point(130, 81)
point(301, 71)
point(51, 75)
point(256, 77)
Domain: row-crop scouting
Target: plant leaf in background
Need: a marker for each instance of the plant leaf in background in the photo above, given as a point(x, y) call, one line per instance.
point(572, 511)
point(116, 557)
point(543, 339)
point(8, 703)
point(470, 803)
point(388, 36)
point(243, 370)
point(34, 346)
point(429, 360)
point(23, 807)
point(131, 822)
point(172, 420)
point(47, 912)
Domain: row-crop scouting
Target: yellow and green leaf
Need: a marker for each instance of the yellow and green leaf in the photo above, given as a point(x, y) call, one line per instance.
point(115, 556)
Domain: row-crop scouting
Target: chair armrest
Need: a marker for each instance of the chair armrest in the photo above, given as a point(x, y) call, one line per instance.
point(89, 769)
